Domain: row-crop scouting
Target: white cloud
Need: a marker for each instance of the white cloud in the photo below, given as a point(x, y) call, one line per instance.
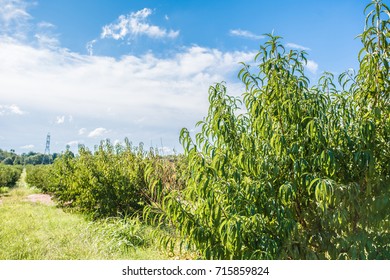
point(312, 66)
point(73, 143)
point(27, 147)
point(82, 131)
point(16, 110)
point(13, 12)
point(44, 35)
point(14, 18)
point(45, 25)
point(135, 24)
point(47, 40)
point(84, 85)
point(245, 34)
point(10, 110)
point(149, 97)
point(89, 46)
point(296, 46)
point(16, 25)
point(60, 119)
point(98, 132)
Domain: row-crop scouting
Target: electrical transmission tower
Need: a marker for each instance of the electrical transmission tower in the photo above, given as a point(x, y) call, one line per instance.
point(47, 149)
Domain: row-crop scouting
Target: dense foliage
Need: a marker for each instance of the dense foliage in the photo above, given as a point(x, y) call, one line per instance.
point(39, 176)
point(9, 175)
point(11, 158)
point(304, 172)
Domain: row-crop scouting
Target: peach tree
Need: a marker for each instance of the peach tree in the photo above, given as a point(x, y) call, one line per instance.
point(292, 170)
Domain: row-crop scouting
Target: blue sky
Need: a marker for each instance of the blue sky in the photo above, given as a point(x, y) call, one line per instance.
point(89, 70)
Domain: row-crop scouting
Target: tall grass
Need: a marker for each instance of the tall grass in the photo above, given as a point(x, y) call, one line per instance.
point(31, 231)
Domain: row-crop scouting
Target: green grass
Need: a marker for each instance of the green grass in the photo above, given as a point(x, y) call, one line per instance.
point(31, 231)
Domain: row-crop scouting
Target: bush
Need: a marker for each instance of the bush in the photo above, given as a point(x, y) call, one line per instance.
point(39, 176)
point(9, 175)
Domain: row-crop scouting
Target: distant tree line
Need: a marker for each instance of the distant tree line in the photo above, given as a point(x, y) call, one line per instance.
point(12, 158)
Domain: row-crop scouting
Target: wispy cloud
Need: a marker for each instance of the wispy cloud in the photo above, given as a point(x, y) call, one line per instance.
point(45, 25)
point(60, 119)
point(13, 12)
point(16, 25)
point(312, 66)
point(89, 46)
point(245, 34)
point(136, 24)
point(98, 132)
point(73, 143)
point(45, 36)
point(10, 110)
point(46, 40)
point(296, 46)
point(14, 18)
point(27, 147)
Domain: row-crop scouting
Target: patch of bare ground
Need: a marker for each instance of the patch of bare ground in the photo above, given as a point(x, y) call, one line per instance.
point(40, 198)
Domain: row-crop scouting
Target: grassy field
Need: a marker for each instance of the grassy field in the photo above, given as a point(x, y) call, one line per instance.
point(33, 230)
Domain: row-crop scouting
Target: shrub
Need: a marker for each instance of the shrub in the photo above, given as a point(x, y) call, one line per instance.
point(39, 176)
point(9, 175)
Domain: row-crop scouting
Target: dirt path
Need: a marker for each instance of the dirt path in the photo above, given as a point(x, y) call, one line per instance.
point(41, 198)
point(36, 198)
